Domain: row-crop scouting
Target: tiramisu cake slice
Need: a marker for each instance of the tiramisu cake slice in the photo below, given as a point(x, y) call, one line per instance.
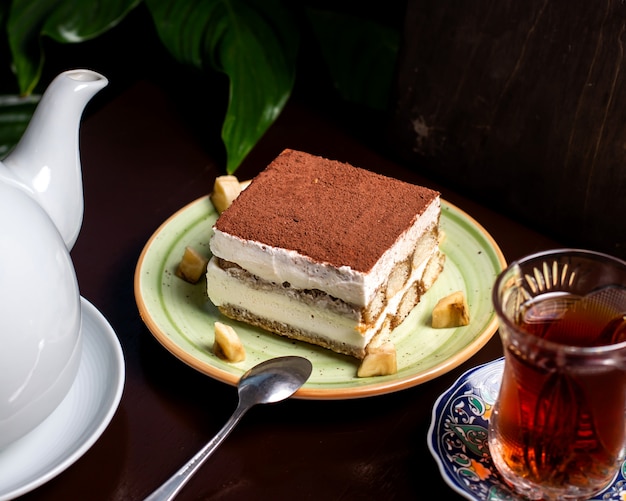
point(324, 252)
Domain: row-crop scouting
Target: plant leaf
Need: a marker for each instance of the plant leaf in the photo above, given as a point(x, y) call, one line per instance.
point(361, 56)
point(253, 42)
point(15, 114)
point(65, 21)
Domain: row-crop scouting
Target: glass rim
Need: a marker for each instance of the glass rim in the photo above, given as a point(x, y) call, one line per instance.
point(553, 345)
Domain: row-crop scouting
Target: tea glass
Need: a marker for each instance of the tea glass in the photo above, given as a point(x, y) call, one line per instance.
point(558, 427)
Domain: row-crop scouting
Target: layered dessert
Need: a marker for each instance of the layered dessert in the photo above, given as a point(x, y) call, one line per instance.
point(323, 252)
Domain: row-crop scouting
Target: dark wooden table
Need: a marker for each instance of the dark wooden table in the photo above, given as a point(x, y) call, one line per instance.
point(141, 163)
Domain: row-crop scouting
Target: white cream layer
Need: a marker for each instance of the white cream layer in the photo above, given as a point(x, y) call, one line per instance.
point(224, 289)
point(281, 265)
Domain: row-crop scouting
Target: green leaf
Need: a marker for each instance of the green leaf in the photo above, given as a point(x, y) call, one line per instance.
point(15, 114)
point(65, 21)
point(361, 56)
point(253, 42)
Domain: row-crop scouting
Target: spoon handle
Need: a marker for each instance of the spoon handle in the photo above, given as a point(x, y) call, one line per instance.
point(175, 483)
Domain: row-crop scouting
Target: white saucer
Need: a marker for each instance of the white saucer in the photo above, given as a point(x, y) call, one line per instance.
point(79, 420)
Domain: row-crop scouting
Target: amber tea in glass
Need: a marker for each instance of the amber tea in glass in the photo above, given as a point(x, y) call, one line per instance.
point(558, 430)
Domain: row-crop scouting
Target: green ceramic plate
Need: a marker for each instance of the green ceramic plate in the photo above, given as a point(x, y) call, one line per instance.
point(181, 317)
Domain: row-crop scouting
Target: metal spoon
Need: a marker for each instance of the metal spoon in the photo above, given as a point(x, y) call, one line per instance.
point(270, 381)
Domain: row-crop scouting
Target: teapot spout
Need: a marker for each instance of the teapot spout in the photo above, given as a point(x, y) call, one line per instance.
point(46, 161)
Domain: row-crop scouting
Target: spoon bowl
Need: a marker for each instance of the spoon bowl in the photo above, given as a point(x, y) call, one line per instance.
point(274, 380)
point(268, 382)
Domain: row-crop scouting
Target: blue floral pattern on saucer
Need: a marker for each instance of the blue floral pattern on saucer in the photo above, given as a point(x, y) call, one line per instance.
point(457, 439)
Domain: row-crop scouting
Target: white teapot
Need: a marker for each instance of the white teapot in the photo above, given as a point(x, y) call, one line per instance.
point(41, 212)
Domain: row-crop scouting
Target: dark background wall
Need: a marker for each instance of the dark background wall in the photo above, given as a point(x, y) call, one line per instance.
point(522, 105)
point(519, 105)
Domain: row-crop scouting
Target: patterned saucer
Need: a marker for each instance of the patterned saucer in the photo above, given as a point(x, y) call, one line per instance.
point(457, 439)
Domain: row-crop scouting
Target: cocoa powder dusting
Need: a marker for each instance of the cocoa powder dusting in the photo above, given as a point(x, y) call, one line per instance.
point(325, 209)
